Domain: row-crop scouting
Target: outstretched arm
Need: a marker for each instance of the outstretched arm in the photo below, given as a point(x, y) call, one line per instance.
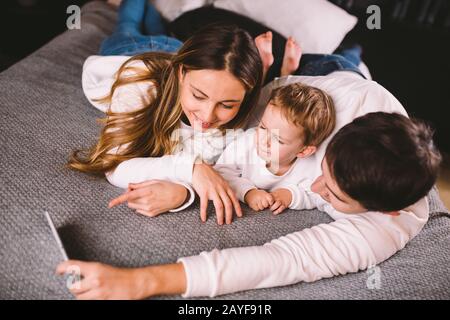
point(307, 255)
point(100, 281)
point(343, 246)
point(346, 245)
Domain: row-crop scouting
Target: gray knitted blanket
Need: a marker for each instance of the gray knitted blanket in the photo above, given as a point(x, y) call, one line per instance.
point(44, 115)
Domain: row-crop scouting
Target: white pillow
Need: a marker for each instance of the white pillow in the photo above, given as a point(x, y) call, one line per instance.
point(317, 25)
point(171, 9)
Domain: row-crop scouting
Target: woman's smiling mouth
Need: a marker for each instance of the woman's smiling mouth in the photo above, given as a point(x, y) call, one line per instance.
point(204, 125)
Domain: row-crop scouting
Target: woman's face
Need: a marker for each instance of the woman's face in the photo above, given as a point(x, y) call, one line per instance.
point(210, 98)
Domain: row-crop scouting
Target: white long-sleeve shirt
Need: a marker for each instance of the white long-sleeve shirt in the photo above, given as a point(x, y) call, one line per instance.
point(97, 79)
point(349, 244)
point(244, 169)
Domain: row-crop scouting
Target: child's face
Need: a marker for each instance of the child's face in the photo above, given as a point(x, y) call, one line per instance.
point(327, 188)
point(278, 140)
point(210, 98)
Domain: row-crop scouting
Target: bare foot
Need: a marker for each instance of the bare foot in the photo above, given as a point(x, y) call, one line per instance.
point(115, 3)
point(291, 59)
point(264, 44)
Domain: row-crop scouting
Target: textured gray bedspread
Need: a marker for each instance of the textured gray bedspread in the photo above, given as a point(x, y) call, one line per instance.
point(44, 115)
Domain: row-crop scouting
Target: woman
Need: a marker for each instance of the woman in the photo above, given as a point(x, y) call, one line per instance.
point(211, 82)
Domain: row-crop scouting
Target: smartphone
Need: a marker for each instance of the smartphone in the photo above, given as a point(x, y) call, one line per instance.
point(56, 236)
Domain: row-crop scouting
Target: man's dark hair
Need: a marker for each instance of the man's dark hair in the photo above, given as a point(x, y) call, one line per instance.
point(385, 161)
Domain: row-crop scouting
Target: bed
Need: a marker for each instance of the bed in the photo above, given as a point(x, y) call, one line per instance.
point(44, 115)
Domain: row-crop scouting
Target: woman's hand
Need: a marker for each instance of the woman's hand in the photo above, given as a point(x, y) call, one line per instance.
point(100, 281)
point(152, 197)
point(210, 185)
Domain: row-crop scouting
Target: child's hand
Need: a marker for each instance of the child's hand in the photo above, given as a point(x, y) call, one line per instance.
point(258, 199)
point(282, 200)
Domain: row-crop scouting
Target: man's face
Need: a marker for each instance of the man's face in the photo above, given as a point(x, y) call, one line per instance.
point(327, 188)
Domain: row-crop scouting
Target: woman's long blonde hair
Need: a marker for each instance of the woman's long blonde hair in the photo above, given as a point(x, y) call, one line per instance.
point(147, 132)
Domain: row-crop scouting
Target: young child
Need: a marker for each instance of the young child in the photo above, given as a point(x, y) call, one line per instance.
point(295, 122)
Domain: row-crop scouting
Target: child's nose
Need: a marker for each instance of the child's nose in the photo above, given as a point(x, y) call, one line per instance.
point(263, 137)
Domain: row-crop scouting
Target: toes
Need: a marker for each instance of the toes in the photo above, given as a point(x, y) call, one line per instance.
point(264, 38)
point(268, 36)
point(292, 55)
point(293, 46)
point(289, 43)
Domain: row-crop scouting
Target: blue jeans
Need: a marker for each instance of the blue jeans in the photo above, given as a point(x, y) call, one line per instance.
point(138, 16)
point(323, 64)
point(134, 18)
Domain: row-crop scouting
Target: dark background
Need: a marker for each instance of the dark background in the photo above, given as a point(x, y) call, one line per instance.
point(410, 55)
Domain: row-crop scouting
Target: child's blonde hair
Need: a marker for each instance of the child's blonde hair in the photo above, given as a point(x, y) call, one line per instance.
point(308, 107)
